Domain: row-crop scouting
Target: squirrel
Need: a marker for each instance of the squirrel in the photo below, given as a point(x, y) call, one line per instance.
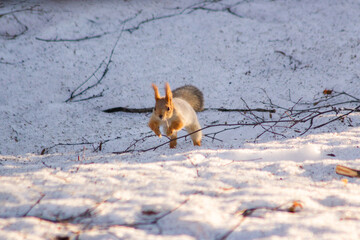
point(176, 111)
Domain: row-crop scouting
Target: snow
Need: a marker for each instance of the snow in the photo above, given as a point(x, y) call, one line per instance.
point(55, 180)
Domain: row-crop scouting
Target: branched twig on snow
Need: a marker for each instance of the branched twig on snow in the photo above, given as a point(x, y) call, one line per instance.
point(290, 207)
point(84, 38)
point(237, 125)
point(153, 221)
point(188, 10)
point(46, 150)
point(77, 92)
point(328, 103)
point(97, 146)
point(287, 120)
point(13, 36)
point(71, 219)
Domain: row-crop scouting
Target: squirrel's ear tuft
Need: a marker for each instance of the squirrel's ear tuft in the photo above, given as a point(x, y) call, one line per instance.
point(156, 91)
point(168, 95)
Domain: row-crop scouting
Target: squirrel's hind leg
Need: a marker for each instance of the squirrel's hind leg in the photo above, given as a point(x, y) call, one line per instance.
point(196, 137)
point(173, 142)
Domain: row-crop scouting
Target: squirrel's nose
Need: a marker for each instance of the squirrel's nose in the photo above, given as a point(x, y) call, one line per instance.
point(160, 116)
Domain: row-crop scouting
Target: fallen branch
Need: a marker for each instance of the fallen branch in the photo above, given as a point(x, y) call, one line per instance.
point(147, 110)
point(128, 110)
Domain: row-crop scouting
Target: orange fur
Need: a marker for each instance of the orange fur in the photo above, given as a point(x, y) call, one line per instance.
point(156, 91)
point(154, 125)
point(175, 126)
point(168, 96)
point(197, 143)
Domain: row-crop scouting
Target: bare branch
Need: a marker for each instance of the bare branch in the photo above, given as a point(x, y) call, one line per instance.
point(147, 110)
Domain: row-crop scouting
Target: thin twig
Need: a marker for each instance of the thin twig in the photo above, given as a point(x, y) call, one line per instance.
point(293, 207)
point(337, 118)
point(151, 222)
point(24, 30)
point(36, 203)
point(20, 10)
point(74, 39)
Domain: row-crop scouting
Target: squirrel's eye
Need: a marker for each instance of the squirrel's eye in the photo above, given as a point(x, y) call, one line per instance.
point(168, 109)
point(154, 108)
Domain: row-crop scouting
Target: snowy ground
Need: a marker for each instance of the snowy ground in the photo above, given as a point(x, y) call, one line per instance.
point(56, 181)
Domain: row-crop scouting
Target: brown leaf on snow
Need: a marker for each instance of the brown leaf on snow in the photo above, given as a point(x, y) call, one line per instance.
point(149, 212)
point(327, 92)
point(295, 207)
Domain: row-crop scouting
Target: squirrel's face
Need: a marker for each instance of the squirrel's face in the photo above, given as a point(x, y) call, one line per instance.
point(163, 109)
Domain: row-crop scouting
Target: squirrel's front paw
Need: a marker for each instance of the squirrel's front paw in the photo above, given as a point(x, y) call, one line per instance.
point(158, 133)
point(169, 132)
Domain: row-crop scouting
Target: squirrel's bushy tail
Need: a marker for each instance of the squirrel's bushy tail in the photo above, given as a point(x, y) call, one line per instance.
point(192, 95)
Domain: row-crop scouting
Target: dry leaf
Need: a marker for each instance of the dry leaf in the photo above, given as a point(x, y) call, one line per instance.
point(327, 92)
point(295, 207)
point(149, 212)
